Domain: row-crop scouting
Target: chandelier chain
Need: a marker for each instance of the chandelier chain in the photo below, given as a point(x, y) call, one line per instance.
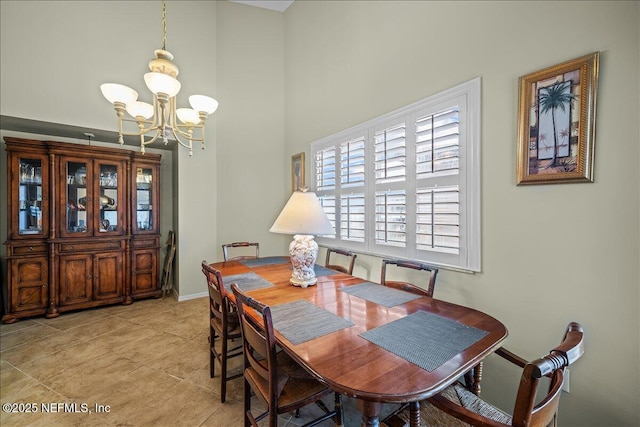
point(164, 25)
point(162, 119)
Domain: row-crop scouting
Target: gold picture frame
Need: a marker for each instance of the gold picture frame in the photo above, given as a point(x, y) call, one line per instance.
point(559, 101)
point(297, 172)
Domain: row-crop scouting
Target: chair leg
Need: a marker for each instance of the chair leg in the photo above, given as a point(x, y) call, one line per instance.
point(247, 403)
point(338, 408)
point(223, 368)
point(212, 358)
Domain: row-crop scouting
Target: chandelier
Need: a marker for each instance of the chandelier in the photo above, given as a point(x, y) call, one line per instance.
point(159, 120)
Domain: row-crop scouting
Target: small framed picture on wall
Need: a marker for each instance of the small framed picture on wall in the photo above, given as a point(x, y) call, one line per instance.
point(556, 123)
point(297, 172)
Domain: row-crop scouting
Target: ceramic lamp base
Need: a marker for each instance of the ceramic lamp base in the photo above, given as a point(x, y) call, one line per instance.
point(303, 251)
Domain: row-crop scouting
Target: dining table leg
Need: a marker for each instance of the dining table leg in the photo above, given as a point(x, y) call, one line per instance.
point(414, 414)
point(370, 413)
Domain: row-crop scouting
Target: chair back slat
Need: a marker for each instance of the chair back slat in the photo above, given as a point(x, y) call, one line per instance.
point(218, 299)
point(256, 347)
point(346, 266)
point(432, 273)
point(246, 250)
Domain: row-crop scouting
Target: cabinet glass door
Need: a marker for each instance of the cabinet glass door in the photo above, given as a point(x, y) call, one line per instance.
point(108, 201)
point(144, 199)
point(77, 198)
point(30, 197)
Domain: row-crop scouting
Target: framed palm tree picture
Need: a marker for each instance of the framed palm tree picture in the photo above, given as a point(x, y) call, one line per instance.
point(556, 122)
point(297, 172)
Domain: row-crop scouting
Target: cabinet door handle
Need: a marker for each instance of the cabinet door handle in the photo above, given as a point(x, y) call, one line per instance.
point(44, 285)
point(30, 249)
point(72, 247)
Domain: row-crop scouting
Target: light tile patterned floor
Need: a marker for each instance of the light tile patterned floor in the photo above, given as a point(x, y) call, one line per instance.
point(146, 364)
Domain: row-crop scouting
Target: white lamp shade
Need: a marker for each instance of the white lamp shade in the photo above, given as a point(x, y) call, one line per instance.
point(162, 83)
point(203, 103)
point(140, 109)
point(188, 116)
point(115, 92)
point(303, 214)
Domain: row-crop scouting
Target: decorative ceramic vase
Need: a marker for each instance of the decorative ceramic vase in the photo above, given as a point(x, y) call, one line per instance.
point(304, 251)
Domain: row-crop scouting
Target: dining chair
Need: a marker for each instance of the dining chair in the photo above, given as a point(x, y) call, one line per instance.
point(342, 258)
point(457, 406)
point(223, 324)
point(432, 273)
point(473, 377)
point(251, 250)
point(275, 378)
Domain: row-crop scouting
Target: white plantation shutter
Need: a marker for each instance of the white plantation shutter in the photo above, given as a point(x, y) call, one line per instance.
point(406, 184)
point(437, 204)
point(325, 182)
point(328, 203)
point(325, 169)
point(437, 219)
point(437, 143)
point(390, 147)
point(352, 163)
point(352, 217)
point(391, 218)
point(390, 157)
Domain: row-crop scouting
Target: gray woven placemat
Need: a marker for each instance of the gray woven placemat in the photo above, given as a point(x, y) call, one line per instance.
point(379, 294)
point(271, 260)
point(424, 339)
point(324, 271)
point(245, 281)
point(300, 321)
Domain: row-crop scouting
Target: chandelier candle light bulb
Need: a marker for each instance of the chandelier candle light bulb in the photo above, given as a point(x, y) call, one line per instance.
point(159, 119)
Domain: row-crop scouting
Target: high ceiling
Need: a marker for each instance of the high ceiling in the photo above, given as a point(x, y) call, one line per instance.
point(277, 5)
point(45, 128)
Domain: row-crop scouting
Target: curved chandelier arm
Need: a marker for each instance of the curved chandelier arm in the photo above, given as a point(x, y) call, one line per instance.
point(189, 146)
point(144, 143)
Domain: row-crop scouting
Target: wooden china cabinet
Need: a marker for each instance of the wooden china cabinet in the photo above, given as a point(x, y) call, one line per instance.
point(83, 227)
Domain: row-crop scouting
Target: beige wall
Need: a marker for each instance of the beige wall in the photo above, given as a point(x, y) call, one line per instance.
point(252, 162)
point(551, 254)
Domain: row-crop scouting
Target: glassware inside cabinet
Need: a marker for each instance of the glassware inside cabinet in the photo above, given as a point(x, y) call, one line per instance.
point(108, 198)
point(30, 197)
point(76, 197)
point(144, 202)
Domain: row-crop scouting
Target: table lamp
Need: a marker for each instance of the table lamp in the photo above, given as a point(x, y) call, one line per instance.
point(303, 217)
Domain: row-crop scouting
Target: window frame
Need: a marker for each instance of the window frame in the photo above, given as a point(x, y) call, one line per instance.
point(467, 97)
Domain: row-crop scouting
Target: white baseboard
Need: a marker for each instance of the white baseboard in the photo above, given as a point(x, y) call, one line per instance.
point(191, 296)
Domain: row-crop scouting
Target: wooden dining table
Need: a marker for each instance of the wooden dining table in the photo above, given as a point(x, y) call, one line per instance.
point(384, 348)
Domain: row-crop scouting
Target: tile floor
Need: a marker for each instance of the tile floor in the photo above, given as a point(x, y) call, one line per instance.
point(146, 364)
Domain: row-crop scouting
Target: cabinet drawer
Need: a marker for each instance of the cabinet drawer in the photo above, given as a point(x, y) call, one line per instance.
point(90, 246)
point(30, 249)
point(145, 243)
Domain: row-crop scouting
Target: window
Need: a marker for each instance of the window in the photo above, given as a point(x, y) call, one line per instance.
point(407, 184)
